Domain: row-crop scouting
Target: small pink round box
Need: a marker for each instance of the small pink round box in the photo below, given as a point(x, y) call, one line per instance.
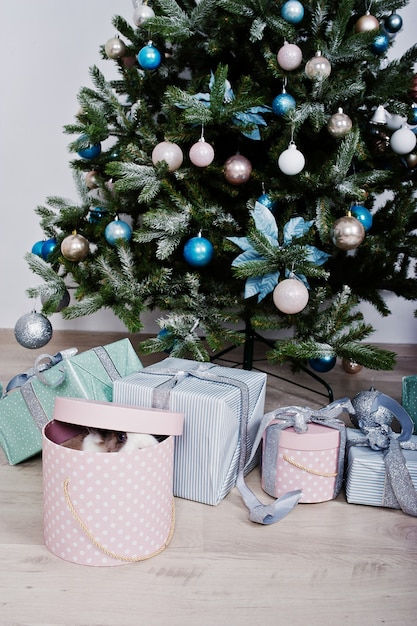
point(306, 461)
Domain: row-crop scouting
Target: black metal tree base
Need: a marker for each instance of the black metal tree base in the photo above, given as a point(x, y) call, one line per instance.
point(251, 336)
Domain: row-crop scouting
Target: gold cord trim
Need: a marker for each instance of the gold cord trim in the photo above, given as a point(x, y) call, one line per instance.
point(308, 469)
point(114, 555)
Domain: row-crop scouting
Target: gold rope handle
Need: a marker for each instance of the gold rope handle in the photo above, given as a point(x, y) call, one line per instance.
point(114, 555)
point(308, 469)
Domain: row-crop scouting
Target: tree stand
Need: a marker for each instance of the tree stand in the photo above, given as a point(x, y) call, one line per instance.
point(251, 336)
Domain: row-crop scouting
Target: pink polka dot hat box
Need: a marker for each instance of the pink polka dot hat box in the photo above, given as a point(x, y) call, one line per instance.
point(311, 461)
point(108, 508)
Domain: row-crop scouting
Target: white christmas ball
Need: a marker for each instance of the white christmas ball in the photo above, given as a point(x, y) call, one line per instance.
point(142, 13)
point(168, 152)
point(291, 161)
point(394, 122)
point(403, 141)
point(201, 153)
point(289, 57)
point(290, 296)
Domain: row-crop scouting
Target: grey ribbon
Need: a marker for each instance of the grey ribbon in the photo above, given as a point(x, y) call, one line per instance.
point(258, 512)
point(42, 363)
point(375, 411)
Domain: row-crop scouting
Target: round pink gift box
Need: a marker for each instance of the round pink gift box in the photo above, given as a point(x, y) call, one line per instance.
point(105, 509)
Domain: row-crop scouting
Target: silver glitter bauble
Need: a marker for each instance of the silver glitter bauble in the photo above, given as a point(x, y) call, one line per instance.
point(33, 330)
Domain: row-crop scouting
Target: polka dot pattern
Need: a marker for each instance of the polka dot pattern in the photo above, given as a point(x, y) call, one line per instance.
point(315, 487)
point(124, 499)
point(409, 397)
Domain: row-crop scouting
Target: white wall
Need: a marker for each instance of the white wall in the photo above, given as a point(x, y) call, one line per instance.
point(48, 46)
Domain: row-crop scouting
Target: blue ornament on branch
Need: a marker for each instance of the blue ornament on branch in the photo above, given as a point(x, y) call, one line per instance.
point(37, 247)
point(198, 251)
point(393, 23)
point(117, 232)
point(362, 215)
point(149, 57)
point(380, 43)
point(90, 152)
point(292, 11)
point(283, 104)
point(96, 214)
point(267, 201)
point(47, 247)
point(322, 364)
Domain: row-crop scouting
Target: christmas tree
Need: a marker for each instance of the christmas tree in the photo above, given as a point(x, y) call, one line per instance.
point(252, 168)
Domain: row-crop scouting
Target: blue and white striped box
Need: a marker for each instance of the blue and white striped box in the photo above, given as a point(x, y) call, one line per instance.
point(365, 472)
point(207, 455)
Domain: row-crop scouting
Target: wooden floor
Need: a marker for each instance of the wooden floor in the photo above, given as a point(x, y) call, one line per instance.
point(325, 564)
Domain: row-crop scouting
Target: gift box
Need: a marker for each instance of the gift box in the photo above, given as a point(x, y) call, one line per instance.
point(381, 467)
point(26, 409)
point(108, 508)
point(409, 397)
point(366, 476)
point(223, 407)
point(303, 449)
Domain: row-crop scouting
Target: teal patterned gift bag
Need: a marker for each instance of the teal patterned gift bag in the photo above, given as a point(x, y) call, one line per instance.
point(409, 397)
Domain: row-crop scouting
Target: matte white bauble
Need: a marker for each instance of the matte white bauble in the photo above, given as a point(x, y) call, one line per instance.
point(394, 122)
point(289, 57)
point(290, 296)
point(291, 161)
point(201, 153)
point(403, 141)
point(168, 152)
point(142, 13)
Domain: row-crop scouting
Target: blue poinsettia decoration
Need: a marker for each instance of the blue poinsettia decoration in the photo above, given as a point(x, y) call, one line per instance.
point(266, 224)
point(250, 117)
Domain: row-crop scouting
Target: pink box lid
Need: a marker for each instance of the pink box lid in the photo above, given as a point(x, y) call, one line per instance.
point(316, 437)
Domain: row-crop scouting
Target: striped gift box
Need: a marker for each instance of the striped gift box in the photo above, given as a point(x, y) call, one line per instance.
point(365, 472)
point(207, 456)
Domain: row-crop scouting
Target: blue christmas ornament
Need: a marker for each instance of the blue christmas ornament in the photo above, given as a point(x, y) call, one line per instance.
point(37, 248)
point(380, 43)
point(362, 215)
point(412, 116)
point(292, 11)
point(91, 152)
point(164, 333)
point(267, 201)
point(198, 251)
point(283, 103)
point(96, 214)
point(47, 247)
point(149, 57)
point(393, 23)
point(117, 231)
point(323, 363)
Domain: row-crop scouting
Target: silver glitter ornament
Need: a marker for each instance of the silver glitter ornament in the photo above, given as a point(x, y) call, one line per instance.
point(33, 330)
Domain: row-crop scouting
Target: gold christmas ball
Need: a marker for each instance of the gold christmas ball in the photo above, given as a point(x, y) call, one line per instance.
point(351, 367)
point(318, 67)
point(75, 247)
point(339, 124)
point(237, 169)
point(411, 160)
point(115, 48)
point(347, 233)
point(366, 23)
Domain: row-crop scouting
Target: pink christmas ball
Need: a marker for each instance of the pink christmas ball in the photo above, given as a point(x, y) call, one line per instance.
point(201, 154)
point(168, 152)
point(289, 57)
point(237, 169)
point(290, 296)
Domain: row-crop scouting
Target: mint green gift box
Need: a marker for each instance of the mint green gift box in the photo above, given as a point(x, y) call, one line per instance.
point(409, 397)
point(90, 375)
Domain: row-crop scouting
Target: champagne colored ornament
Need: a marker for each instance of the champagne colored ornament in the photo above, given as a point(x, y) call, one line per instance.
point(75, 247)
point(347, 233)
point(291, 161)
point(237, 169)
point(142, 13)
point(201, 153)
point(115, 48)
point(403, 141)
point(350, 367)
point(91, 179)
point(290, 296)
point(169, 152)
point(318, 67)
point(33, 330)
point(411, 160)
point(366, 23)
point(339, 124)
point(289, 57)
point(393, 23)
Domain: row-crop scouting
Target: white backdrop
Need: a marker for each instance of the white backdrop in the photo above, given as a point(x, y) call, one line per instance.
point(48, 48)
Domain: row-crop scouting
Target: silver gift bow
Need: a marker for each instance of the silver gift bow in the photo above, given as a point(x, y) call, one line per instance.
point(374, 412)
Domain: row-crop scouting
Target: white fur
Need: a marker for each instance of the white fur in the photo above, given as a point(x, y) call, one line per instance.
point(136, 441)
